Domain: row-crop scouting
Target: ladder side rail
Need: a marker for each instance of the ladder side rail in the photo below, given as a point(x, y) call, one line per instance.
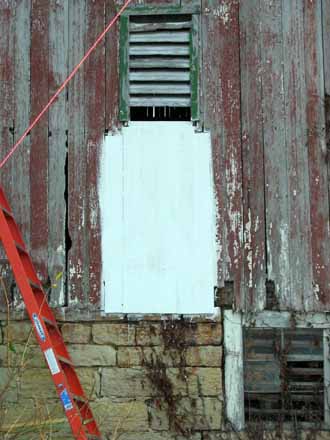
point(45, 341)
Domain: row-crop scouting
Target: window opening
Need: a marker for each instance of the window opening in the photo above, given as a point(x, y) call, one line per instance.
point(283, 375)
point(160, 114)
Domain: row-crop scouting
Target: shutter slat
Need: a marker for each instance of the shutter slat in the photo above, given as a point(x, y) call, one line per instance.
point(160, 37)
point(159, 49)
point(159, 89)
point(149, 27)
point(158, 62)
point(164, 75)
point(160, 101)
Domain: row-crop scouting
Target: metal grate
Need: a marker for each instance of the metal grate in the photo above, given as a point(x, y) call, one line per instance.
point(160, 61)
point(284, 375)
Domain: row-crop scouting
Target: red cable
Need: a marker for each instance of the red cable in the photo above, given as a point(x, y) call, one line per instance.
point(65, 83)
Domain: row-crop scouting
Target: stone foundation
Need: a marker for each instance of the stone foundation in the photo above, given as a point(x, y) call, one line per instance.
point(154, 380)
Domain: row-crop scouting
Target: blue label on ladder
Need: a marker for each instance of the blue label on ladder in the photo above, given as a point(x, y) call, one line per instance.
point(66, 401)
point(38, 327)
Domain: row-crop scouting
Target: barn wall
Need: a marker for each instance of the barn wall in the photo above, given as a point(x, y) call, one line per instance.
point(263, 78)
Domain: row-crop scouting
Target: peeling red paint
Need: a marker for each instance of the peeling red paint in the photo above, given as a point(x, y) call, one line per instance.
point(319, 201)
point(39, 137)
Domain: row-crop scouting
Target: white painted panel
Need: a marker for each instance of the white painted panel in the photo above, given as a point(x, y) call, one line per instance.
point(158, 228)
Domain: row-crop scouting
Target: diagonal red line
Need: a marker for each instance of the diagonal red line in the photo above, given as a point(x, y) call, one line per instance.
point(65, 83)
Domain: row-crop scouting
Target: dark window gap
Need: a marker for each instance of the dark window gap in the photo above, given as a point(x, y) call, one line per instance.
point(160, 113)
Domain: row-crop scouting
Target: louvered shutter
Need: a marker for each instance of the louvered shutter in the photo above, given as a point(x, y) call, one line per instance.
point(158, 63)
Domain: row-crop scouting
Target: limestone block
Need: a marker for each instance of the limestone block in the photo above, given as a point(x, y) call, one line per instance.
point(26, 356)
point(209, 380)
point(148, 334)
point(19, 332)
point(129, 356)
point(33, 416)
point(201, 413)
point(207, 356)
point(114, 334)
point(85, 355)
point(192, 414)
point(157, 436)
point(76, 333)
point(125, 382)
point(124, 416)
point(90, 381)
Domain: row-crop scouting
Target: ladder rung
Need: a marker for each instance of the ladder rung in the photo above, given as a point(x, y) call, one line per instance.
point(49, 321)
point(64, 360)
point(87, 421)
point(6, 212)
point(20, 248)
point(81, 399)
point(35, 285)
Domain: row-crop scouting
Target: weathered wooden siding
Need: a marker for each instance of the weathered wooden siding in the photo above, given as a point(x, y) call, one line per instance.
point(264, 76)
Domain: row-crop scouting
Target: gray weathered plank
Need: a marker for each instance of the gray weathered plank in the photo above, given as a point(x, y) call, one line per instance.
point(7, 94)
point(221, 99)
point(317, 155)
point(94, 129)
point(22, 108)
point(253, 157)
point(112, 69)
point(275, 149)
point(58, 125)
point(298, 191)
point(22, 114)
point(326, 44)
point(39, 136)
point(77, 161)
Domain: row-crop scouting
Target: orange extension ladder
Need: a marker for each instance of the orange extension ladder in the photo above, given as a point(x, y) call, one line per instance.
point(68, 387)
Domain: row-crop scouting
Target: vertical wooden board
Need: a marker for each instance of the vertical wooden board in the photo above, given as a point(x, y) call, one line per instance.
point(221, 84)
point(7, 81)
point(275, 149)
point(77, 159)
point(227, 14)
point(21, 159)
point(22, 108)
point(253, 158)
point(300, 263)
point(214, 120)
point(326, 43)
point(58, 125)
point(112, 69)
point(94, 126)
point(319, 199)
point(39, 136)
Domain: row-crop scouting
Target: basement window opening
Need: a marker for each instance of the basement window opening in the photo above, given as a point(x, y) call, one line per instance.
point(159, 67)
point(277, 370)
point(283, 375)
